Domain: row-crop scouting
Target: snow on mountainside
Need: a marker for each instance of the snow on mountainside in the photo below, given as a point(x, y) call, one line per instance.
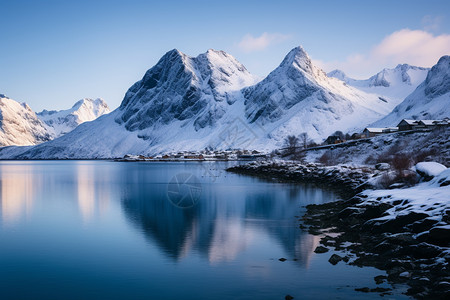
point(64, 121)
point(431, 99)
point(392, 85)
point(212, 101)
point(299, 97)
point(19, 125)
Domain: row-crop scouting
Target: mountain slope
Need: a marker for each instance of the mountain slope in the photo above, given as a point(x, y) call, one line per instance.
point(392, 85)
point(64, 121)
point(19, 125)
point(431, 99)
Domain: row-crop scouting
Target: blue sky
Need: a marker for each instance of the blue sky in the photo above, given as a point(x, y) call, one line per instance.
point(54, 53)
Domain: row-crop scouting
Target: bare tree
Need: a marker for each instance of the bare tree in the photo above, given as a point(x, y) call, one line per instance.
point(291, 142)
point(292, 149)
point(304, 139)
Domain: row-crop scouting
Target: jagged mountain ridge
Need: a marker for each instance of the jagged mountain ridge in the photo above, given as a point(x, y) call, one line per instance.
point(212, 101)
point(19, 125)
point(431, 99)
point(392, 85)
point(63, 121)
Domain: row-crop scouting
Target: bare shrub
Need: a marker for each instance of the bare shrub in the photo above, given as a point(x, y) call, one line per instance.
point(423, 155)
point(386, 180)
point(327, 159)
point(291, 142)
point(388, 155)
point(401, 162)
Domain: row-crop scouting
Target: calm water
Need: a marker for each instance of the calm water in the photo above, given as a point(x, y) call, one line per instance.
point(109, 230)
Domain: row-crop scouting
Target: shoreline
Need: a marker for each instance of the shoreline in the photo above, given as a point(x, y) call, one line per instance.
point(411, 246)
point(347, 181)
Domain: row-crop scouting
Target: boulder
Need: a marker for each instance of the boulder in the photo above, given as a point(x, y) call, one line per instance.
point(382, 166)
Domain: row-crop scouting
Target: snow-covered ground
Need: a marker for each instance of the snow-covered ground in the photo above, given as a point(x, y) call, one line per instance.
point(431, 198)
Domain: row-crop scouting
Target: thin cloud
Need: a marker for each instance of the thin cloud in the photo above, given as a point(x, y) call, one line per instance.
point(414, 47)
point(250, 43)
point(431, 23)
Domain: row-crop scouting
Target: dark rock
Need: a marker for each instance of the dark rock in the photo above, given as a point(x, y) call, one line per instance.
point(423, 225)
point(288, 297)
point(404, 238)
point(441, 235)
point(424, 250)
point(334, 259)
point(380, 279)
point(321, 249)
point(445, 183)
point(348, 212)
point(377, 211)
point(364, 289)
point(397, 224)
point(282, 259)
point(380, 290)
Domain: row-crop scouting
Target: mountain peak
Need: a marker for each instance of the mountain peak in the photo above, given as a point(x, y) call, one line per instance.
point(298, 58)
point(438, 78)
point(88, 101)
point(339, 74)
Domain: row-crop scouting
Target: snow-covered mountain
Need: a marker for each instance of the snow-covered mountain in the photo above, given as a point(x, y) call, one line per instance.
point(299, 97)
point(212, 101)
point(19, 125)
point(431, 99)
point(181, 89)
point(391, 85)
point(64, 121)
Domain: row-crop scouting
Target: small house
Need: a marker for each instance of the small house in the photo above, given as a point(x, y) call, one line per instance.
point(333, 139)
point(406, 124)
point(371, 132)
point(428, 123)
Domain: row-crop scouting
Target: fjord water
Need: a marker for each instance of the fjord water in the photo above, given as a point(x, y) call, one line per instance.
point(118, 230)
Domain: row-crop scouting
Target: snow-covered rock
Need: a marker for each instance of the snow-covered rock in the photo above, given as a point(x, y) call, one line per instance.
point(391, 85)
point(64, 121)
point(429, 169)
point(431, 99)
point(19, 125)
point(429, 198)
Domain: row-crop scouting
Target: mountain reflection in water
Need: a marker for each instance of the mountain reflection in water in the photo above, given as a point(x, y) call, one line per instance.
point(226, 219)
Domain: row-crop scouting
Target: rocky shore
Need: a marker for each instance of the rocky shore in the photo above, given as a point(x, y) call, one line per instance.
point(345, 180)
point(405, 232)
